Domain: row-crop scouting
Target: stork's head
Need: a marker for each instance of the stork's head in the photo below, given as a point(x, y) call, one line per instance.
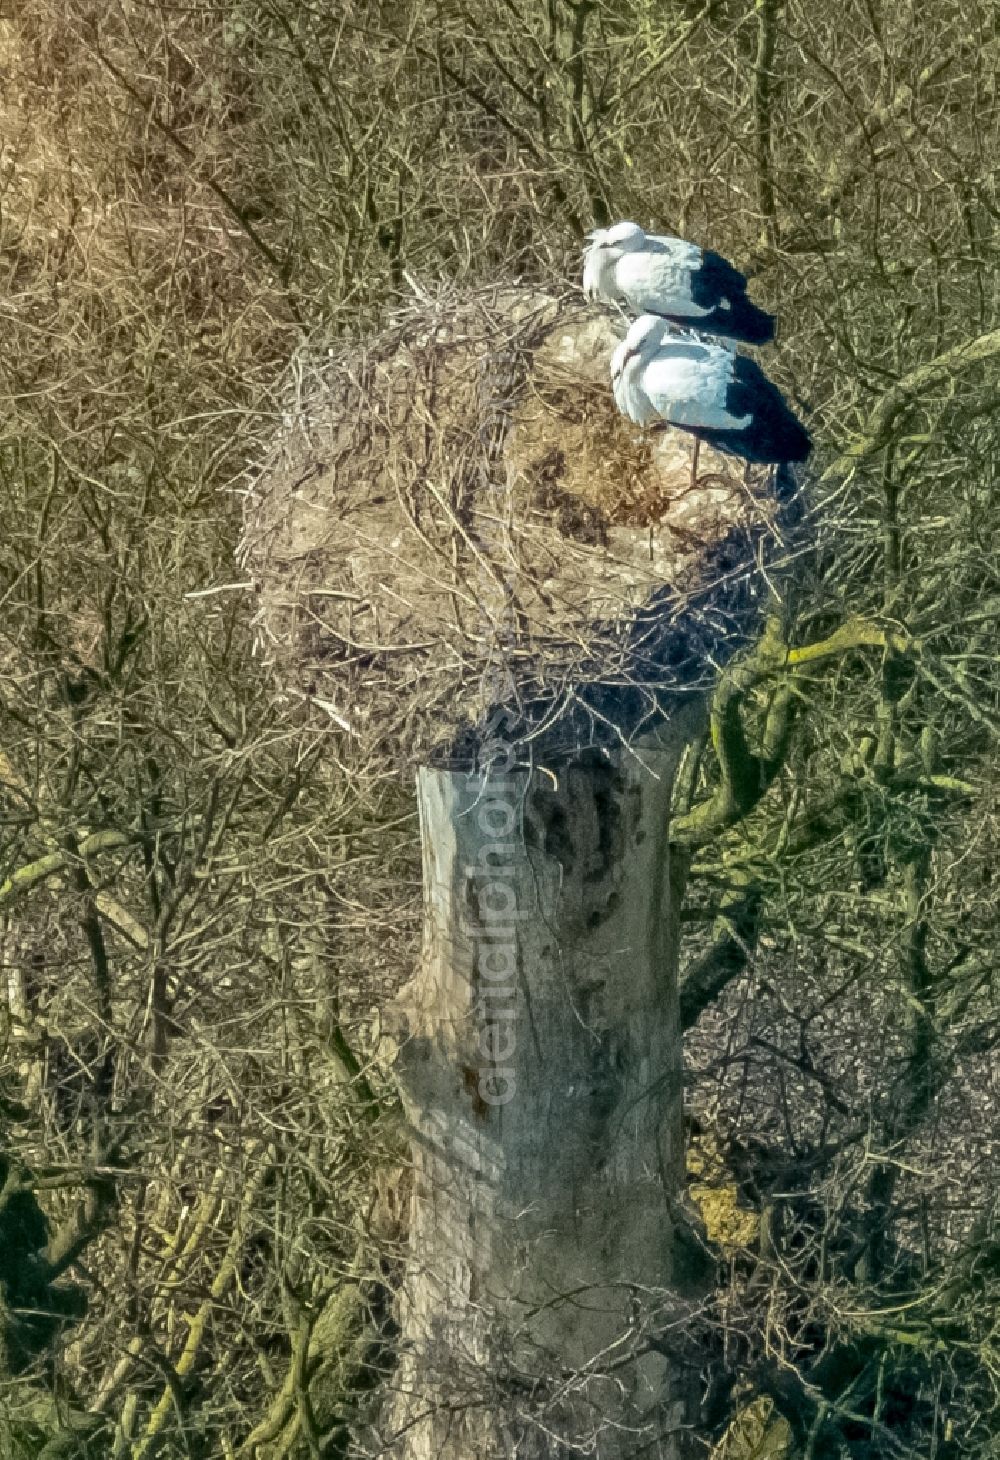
point(625, 237)
point(627, 363)
point(646, 335)
point(607, 246)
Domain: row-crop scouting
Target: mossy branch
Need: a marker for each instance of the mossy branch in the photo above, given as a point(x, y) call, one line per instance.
point(337, 1343)
point(907, 391)
point(199, 1320)
point(29, 876)
point(745, 775)
point(855, 634)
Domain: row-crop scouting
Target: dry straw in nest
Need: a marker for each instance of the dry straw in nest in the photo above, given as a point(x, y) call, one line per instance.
point(456, 518)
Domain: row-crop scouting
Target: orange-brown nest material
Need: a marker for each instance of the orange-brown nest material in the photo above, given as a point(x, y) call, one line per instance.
point(454, 515)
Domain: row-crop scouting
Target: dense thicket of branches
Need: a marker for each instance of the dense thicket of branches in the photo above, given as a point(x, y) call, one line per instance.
point(203, 900)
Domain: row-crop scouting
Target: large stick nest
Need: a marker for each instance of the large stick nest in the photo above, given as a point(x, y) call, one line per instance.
point(455, 518)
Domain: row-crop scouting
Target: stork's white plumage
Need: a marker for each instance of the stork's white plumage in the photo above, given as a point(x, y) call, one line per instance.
point(720, 397)
point(653, 274)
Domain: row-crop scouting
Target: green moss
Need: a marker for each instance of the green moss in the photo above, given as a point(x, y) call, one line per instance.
point(756, 1434)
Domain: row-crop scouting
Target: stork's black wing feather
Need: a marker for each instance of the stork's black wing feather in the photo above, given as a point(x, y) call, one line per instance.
point(721, 288)
point(775, 433)
point(717, 281)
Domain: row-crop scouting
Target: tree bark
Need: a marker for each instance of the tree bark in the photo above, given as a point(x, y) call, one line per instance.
point(540, 1069)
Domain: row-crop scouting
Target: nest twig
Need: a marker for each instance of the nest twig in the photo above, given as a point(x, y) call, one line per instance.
point(455, 518)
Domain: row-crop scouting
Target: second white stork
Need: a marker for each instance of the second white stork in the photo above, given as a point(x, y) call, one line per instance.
point(660, 378)
point(654, 274)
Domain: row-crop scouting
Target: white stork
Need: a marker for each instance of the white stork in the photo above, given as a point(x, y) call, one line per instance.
point(652, 274)
point(661, 378)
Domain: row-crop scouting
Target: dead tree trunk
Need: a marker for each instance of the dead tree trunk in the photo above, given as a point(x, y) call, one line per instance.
point(540, 1066)
point(457, 517)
